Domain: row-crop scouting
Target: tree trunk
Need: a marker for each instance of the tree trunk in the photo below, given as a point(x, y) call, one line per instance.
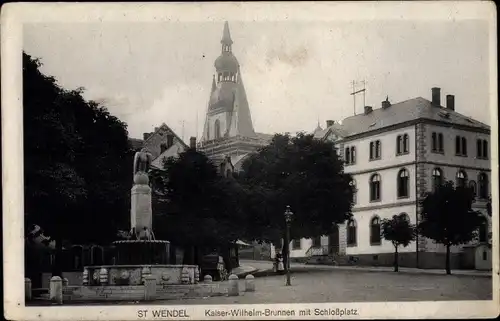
point(448, 269)
point(225, 253)
point(57, 264)
point(396, 259)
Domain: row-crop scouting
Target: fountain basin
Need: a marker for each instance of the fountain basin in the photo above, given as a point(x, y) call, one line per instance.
point(122, 275)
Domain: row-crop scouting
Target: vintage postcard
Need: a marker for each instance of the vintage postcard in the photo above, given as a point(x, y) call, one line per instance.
point(268, 160)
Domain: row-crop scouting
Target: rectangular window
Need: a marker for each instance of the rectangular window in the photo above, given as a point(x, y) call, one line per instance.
point(296, 244)
point(479, 148)
point(460, 146)
point(375, 150)
point(440, 143)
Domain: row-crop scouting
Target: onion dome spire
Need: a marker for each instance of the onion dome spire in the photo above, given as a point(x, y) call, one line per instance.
point(226, 35)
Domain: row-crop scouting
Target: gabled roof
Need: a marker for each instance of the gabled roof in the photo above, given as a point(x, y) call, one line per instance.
point(172, 151)
point(336, 129)
point(165, 127)
point(412, 109)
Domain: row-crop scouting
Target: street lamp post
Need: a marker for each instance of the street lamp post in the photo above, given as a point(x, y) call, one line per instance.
point(288, 220)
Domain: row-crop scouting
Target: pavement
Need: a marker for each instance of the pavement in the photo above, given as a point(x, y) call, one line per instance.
point(263, 268)
point(318, 286)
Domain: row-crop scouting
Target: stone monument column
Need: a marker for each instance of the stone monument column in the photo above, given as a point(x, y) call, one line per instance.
point(141, 218)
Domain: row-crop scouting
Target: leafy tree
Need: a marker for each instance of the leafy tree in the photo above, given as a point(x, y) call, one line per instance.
point(194, 206)
point(399, 231)
point(76, 162)
point(448, 218)
point(302, 172)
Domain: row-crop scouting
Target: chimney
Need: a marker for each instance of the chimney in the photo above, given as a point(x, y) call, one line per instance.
point(386, 103)
point(329, 123)
point(146, 136)
point(436, 96)
point(450, 102)
point(192, 142)
point(368, 109)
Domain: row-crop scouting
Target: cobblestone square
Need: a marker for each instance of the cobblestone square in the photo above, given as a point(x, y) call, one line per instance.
point(356, 286)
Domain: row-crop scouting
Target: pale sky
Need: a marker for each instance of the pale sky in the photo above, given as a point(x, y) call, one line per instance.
point(295, 72)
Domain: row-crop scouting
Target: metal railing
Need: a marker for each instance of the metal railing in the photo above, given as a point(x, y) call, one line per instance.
point(318, 250)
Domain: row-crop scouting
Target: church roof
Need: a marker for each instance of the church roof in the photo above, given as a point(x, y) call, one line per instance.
point(416, 108)
point(226, 35)
point(226, 62)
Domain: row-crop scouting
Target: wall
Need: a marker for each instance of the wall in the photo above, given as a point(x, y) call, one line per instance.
point(363, 220)
point(388, 157)
point(481, 262)
point(449, 157)
point(222, 117)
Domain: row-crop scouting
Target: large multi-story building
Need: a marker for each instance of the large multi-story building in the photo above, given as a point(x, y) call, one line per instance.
point(396, 154)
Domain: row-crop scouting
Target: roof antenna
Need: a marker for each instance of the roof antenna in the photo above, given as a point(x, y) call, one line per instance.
point(355, 92)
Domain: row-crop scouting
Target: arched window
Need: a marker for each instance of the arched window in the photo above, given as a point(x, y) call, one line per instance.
point(483, 231)
point(473, 187)
point(351, 233)
point(375, 187)
point(354, 191)
point(434, 145)
point(483, 186)
point(437, 178)
point(461, 178)
point(375, 231)
point(406, 143)
point(217, 129)
point(440, 143)
point(403, 183)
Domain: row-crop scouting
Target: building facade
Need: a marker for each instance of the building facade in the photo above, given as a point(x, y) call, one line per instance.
point(396, 154)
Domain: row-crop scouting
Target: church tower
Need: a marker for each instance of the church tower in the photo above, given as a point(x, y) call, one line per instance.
point(228, 112)
point(228, 129)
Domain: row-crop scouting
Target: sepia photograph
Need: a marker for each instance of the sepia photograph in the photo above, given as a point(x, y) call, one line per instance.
point(199, 155)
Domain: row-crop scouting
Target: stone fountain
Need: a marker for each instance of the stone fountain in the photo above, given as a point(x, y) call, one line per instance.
point(141, 255)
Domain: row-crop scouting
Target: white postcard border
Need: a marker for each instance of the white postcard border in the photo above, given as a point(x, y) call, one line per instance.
point(14, 15)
